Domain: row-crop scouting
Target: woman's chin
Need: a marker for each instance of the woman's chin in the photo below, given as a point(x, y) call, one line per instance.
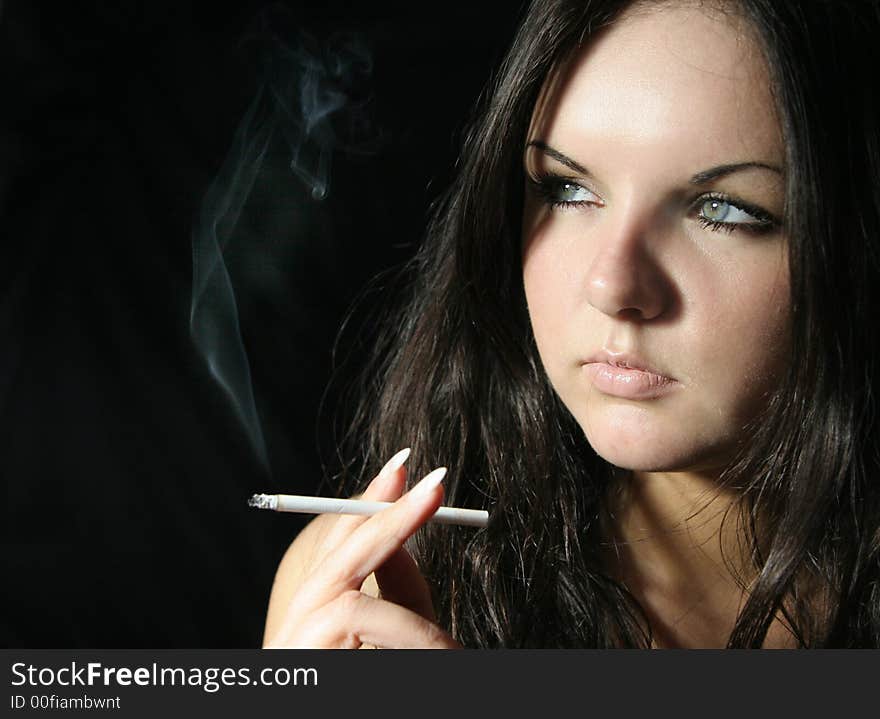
point(645, 460)
point(652, 447)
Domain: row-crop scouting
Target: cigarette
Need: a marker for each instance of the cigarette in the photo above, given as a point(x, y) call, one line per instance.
point(328, 505)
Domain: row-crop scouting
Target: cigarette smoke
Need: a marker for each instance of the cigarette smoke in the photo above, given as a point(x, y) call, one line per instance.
point(309, 104)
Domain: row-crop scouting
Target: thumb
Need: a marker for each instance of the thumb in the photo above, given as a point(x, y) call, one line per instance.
point(401, 582)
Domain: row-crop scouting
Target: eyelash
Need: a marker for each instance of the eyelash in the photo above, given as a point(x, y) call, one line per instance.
point(546, 186)
point(765, 222)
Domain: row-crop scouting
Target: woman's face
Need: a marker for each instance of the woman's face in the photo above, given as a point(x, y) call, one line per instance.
point(654, 267)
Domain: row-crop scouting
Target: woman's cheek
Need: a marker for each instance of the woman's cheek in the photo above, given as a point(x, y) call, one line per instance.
point(750, 341)
point(548, 279)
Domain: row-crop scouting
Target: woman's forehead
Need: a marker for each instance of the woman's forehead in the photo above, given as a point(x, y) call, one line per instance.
point(688, 81)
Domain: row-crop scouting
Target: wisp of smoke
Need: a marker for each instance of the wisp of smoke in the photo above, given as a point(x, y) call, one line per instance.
point(308, 102)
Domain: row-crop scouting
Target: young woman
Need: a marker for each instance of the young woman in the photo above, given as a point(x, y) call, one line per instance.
point(641, 333)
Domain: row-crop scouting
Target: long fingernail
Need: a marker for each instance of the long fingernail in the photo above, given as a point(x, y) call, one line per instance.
point(429, 482)
point(395, 463)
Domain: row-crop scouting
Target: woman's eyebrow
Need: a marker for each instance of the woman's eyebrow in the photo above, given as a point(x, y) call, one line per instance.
point(701, 178)
point(558, 156)
point(713, 173)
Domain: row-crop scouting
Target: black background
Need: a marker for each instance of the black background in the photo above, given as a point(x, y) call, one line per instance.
point(126, 470)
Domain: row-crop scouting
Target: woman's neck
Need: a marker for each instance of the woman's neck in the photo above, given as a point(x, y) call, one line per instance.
point(671, 546)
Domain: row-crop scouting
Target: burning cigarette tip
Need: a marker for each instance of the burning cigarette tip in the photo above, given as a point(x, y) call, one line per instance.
point(264, 501)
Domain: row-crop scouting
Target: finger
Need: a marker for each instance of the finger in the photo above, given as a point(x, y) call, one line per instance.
point(401, 582)
point(386, 486)
point(354, 618)
point(371, 544)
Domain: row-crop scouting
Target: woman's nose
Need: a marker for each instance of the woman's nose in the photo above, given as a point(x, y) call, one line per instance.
point(625, 281)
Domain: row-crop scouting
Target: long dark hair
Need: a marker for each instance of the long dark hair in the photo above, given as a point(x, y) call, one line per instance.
point(455, 373)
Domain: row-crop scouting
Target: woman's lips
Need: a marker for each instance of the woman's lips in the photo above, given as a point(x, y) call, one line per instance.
point(628, 382)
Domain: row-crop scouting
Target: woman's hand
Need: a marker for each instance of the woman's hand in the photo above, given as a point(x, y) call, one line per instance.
point(327, 608)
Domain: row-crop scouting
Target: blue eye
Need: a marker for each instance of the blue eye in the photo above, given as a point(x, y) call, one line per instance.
point(562, 192)
point(568, 192)
point(717, 212)
point(723, 211)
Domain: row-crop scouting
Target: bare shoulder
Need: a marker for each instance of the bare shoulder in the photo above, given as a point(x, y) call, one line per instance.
point(301, 556)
